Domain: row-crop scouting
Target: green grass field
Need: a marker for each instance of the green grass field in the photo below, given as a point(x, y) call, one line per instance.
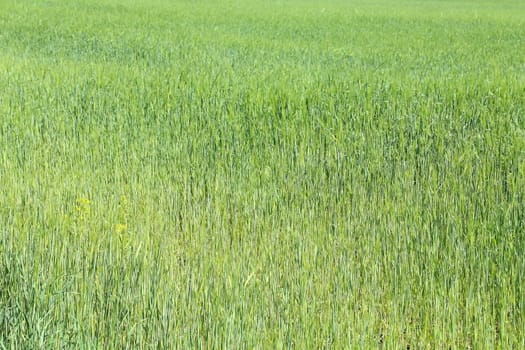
point(262, 174)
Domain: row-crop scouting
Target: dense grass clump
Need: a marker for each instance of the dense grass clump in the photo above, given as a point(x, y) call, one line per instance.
point(278, 174)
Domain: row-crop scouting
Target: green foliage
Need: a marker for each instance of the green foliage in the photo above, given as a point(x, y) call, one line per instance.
point(278, 174)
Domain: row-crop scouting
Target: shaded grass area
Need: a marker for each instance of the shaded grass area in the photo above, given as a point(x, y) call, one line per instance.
point(277, 175)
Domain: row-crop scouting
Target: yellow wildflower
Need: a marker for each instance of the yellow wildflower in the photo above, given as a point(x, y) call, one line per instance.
point(120, 228)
